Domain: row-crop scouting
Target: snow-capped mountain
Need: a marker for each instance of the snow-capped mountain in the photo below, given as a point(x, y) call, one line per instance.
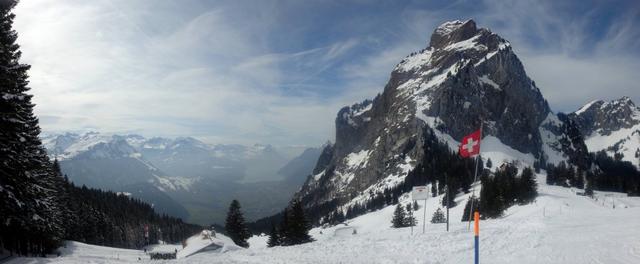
point(611, 126)
point(180, 173)
point(465, 78)
point(181, 157)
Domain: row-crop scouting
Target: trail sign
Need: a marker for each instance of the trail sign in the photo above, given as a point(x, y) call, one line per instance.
point(420, 193)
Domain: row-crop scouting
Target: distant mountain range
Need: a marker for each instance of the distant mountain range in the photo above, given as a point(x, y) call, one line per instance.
point(183, 177)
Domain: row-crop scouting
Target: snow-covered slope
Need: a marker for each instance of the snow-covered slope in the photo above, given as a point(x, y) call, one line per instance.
point(560, 227)
point(75, 252)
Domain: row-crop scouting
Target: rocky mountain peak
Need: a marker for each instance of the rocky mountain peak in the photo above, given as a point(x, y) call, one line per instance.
point(467, 76)
point(451, 32)
point(605, 117)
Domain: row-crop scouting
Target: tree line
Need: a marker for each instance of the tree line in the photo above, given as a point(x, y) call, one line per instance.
point(292, 229)
point(606, 174)
point(501, 190)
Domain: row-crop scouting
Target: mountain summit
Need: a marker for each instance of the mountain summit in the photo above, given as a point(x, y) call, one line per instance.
point(466, 77)
point(612, 126)
point(606, 117)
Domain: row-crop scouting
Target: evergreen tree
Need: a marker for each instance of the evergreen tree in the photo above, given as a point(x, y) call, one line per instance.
point(438, 217)
point(491, 204)
point(588, 189)
point(235, 226)
point(285, 229)
point(298, 225)
point(528, 187)
point(489, 163)
point(274, 237)
point(467, 208)
point(399, 216)
point(410, 220)
point(570, 177)
point(580, 179)
point(434, 189)
point(416, 207)
point(28, 193)
point(450, 195)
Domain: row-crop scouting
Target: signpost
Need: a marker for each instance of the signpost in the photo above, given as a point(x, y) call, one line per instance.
point(421, 193)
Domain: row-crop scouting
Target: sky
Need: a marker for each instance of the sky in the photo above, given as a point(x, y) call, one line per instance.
point(277, 72)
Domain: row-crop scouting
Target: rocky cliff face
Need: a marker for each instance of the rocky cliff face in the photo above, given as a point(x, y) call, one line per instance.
point(465, 77)
point(606, 117)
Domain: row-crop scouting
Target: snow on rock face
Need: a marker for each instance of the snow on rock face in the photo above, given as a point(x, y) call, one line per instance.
point(465, 75)
point(449, 26)
point(551, 132)
point(603, 118)
point(611, 126)
point(358, 159)
point(473, 68)
point(485, 79)
point(415, 61)
point(165, 183)
point(354, 115)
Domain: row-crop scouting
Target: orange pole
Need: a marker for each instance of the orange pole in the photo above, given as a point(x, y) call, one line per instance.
point(476, 237)
point(476, 224)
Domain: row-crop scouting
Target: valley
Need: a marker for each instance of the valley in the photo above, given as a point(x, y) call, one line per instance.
point(184, 177)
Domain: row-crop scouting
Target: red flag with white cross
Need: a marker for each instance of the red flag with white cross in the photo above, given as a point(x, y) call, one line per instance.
point(470, 144)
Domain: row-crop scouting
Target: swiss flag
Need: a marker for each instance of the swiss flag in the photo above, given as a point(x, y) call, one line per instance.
point(470, 144)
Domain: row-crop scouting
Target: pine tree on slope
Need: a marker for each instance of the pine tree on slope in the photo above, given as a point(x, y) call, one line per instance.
point(467, 208)
point(588, 189)
point(399, 216)
point(285, 230)
point(438, 217)
point(298, 225)
point(28, 195)
point(274, 237)
point(410, 220)
point(235, 225)
point(528, 187)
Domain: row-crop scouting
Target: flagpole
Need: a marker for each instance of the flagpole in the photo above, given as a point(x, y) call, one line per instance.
point(475, 176)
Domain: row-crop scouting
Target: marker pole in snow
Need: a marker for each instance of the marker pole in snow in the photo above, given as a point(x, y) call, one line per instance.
point(475, 177)
point(448, 200)
point(424, 215)
point(476, 231)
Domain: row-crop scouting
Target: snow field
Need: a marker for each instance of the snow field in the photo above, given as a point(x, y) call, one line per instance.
point(560, 227)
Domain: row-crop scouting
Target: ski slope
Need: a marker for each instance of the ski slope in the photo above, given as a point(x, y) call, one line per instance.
point(560, 227)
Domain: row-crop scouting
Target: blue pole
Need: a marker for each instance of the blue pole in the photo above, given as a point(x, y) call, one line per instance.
point(476, 231)
point(477, 251)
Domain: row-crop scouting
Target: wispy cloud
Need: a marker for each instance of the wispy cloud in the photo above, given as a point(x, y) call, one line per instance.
point(277, 72)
